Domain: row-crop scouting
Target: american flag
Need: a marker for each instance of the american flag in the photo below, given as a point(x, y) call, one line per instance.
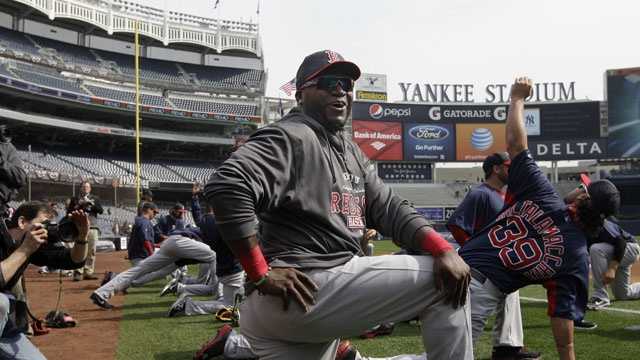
point(289, 87)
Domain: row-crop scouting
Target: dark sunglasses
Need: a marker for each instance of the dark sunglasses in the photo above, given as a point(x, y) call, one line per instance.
point(330, 83)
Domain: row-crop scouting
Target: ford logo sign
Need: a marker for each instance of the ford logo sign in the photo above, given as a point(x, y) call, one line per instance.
point(429, 133)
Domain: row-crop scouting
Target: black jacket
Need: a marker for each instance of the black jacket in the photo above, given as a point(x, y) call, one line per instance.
point(12, 175)
point(78, 202)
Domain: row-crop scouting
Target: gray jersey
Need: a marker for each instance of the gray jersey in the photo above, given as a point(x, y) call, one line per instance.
point(314, 191)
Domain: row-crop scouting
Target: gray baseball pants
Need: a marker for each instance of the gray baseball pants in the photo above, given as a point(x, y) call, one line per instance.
point(158, 265)
point(623, 289)
point(352, 298)
point(237, 347)
point(232, 284)
point(485, 299)
point(17, 347)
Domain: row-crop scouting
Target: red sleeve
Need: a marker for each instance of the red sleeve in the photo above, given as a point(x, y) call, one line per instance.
point(148, 245)
point(460, 235)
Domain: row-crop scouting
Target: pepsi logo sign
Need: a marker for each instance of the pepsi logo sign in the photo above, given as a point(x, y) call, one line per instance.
point(378, 111)
point(428, 133)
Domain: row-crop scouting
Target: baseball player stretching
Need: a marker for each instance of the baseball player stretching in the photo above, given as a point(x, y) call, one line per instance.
point(180, 248)
point(227, 271)
point(315, 193)
point(613, 252)
point(537, 239)
point(480, 207)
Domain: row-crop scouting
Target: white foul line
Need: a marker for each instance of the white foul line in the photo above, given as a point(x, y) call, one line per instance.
point(626, 311)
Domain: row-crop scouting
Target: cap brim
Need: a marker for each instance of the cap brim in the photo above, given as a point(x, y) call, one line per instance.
point(337, 68)
point(584, 178)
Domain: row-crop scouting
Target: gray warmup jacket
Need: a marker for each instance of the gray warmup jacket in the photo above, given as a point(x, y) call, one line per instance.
point(314, 192)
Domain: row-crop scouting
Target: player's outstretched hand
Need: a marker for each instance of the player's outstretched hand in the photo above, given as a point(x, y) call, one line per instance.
point(452, 277)
point(289, 283)
point(521, 89)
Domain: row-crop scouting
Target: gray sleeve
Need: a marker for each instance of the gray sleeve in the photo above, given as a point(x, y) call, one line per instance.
point(254, 179)
point(388, 213)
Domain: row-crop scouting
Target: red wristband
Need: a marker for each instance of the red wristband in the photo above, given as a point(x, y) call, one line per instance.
point(254, 264)
point(434, 243)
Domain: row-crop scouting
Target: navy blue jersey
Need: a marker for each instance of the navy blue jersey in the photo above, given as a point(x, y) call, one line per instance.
point(226, 262)
point(611, 233)
point(534, 241)
point(141, 232)
point(480, 207)
point(168, 223)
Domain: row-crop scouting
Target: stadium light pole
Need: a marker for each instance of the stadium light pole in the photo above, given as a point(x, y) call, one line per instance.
point(137, 70)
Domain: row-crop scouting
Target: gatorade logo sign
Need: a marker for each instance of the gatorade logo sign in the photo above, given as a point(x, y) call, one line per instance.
point(378, 111)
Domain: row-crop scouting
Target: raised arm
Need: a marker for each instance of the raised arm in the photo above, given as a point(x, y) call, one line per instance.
point(516, 133)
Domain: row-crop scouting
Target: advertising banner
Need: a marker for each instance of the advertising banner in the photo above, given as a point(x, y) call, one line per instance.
point(432, 213)
point(571, 149)
point(371, 87)
point(379, 140)
point(474, 142)
point(384, 111)
point(404, 172)
point(429, 142)
point(561, 121)
point(468, 113)
point(623, 98)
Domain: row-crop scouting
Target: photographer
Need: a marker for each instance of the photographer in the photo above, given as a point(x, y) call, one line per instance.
point(26, 240)
point(12, 175)
point(90, 204)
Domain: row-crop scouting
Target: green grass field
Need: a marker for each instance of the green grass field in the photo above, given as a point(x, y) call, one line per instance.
point(146, 332)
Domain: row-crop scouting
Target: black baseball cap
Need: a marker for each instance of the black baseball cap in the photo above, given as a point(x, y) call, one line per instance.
point(605, 197)
point(325, 62)
point(495, 159)
point(148, 205)
point(178, 207)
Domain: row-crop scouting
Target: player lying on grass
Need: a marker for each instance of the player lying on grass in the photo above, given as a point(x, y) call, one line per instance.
point(537, 239)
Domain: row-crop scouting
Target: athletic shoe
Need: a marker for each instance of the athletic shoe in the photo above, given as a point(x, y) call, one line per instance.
point(43, 270)
point(108, 275)
point(215, 346)
point(584, 325)
point(178, 307)
point(513, 353)
point(346, 351)
point(90, 277)
point(77, 276)
point(379, 330)
point(597, 303)
point(100, 301)
point(170, 288)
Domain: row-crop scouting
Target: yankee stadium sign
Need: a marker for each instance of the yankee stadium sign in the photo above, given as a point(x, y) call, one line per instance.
point(493, 93)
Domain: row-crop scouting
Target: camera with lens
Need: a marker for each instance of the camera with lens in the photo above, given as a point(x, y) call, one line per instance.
point(63, 231)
